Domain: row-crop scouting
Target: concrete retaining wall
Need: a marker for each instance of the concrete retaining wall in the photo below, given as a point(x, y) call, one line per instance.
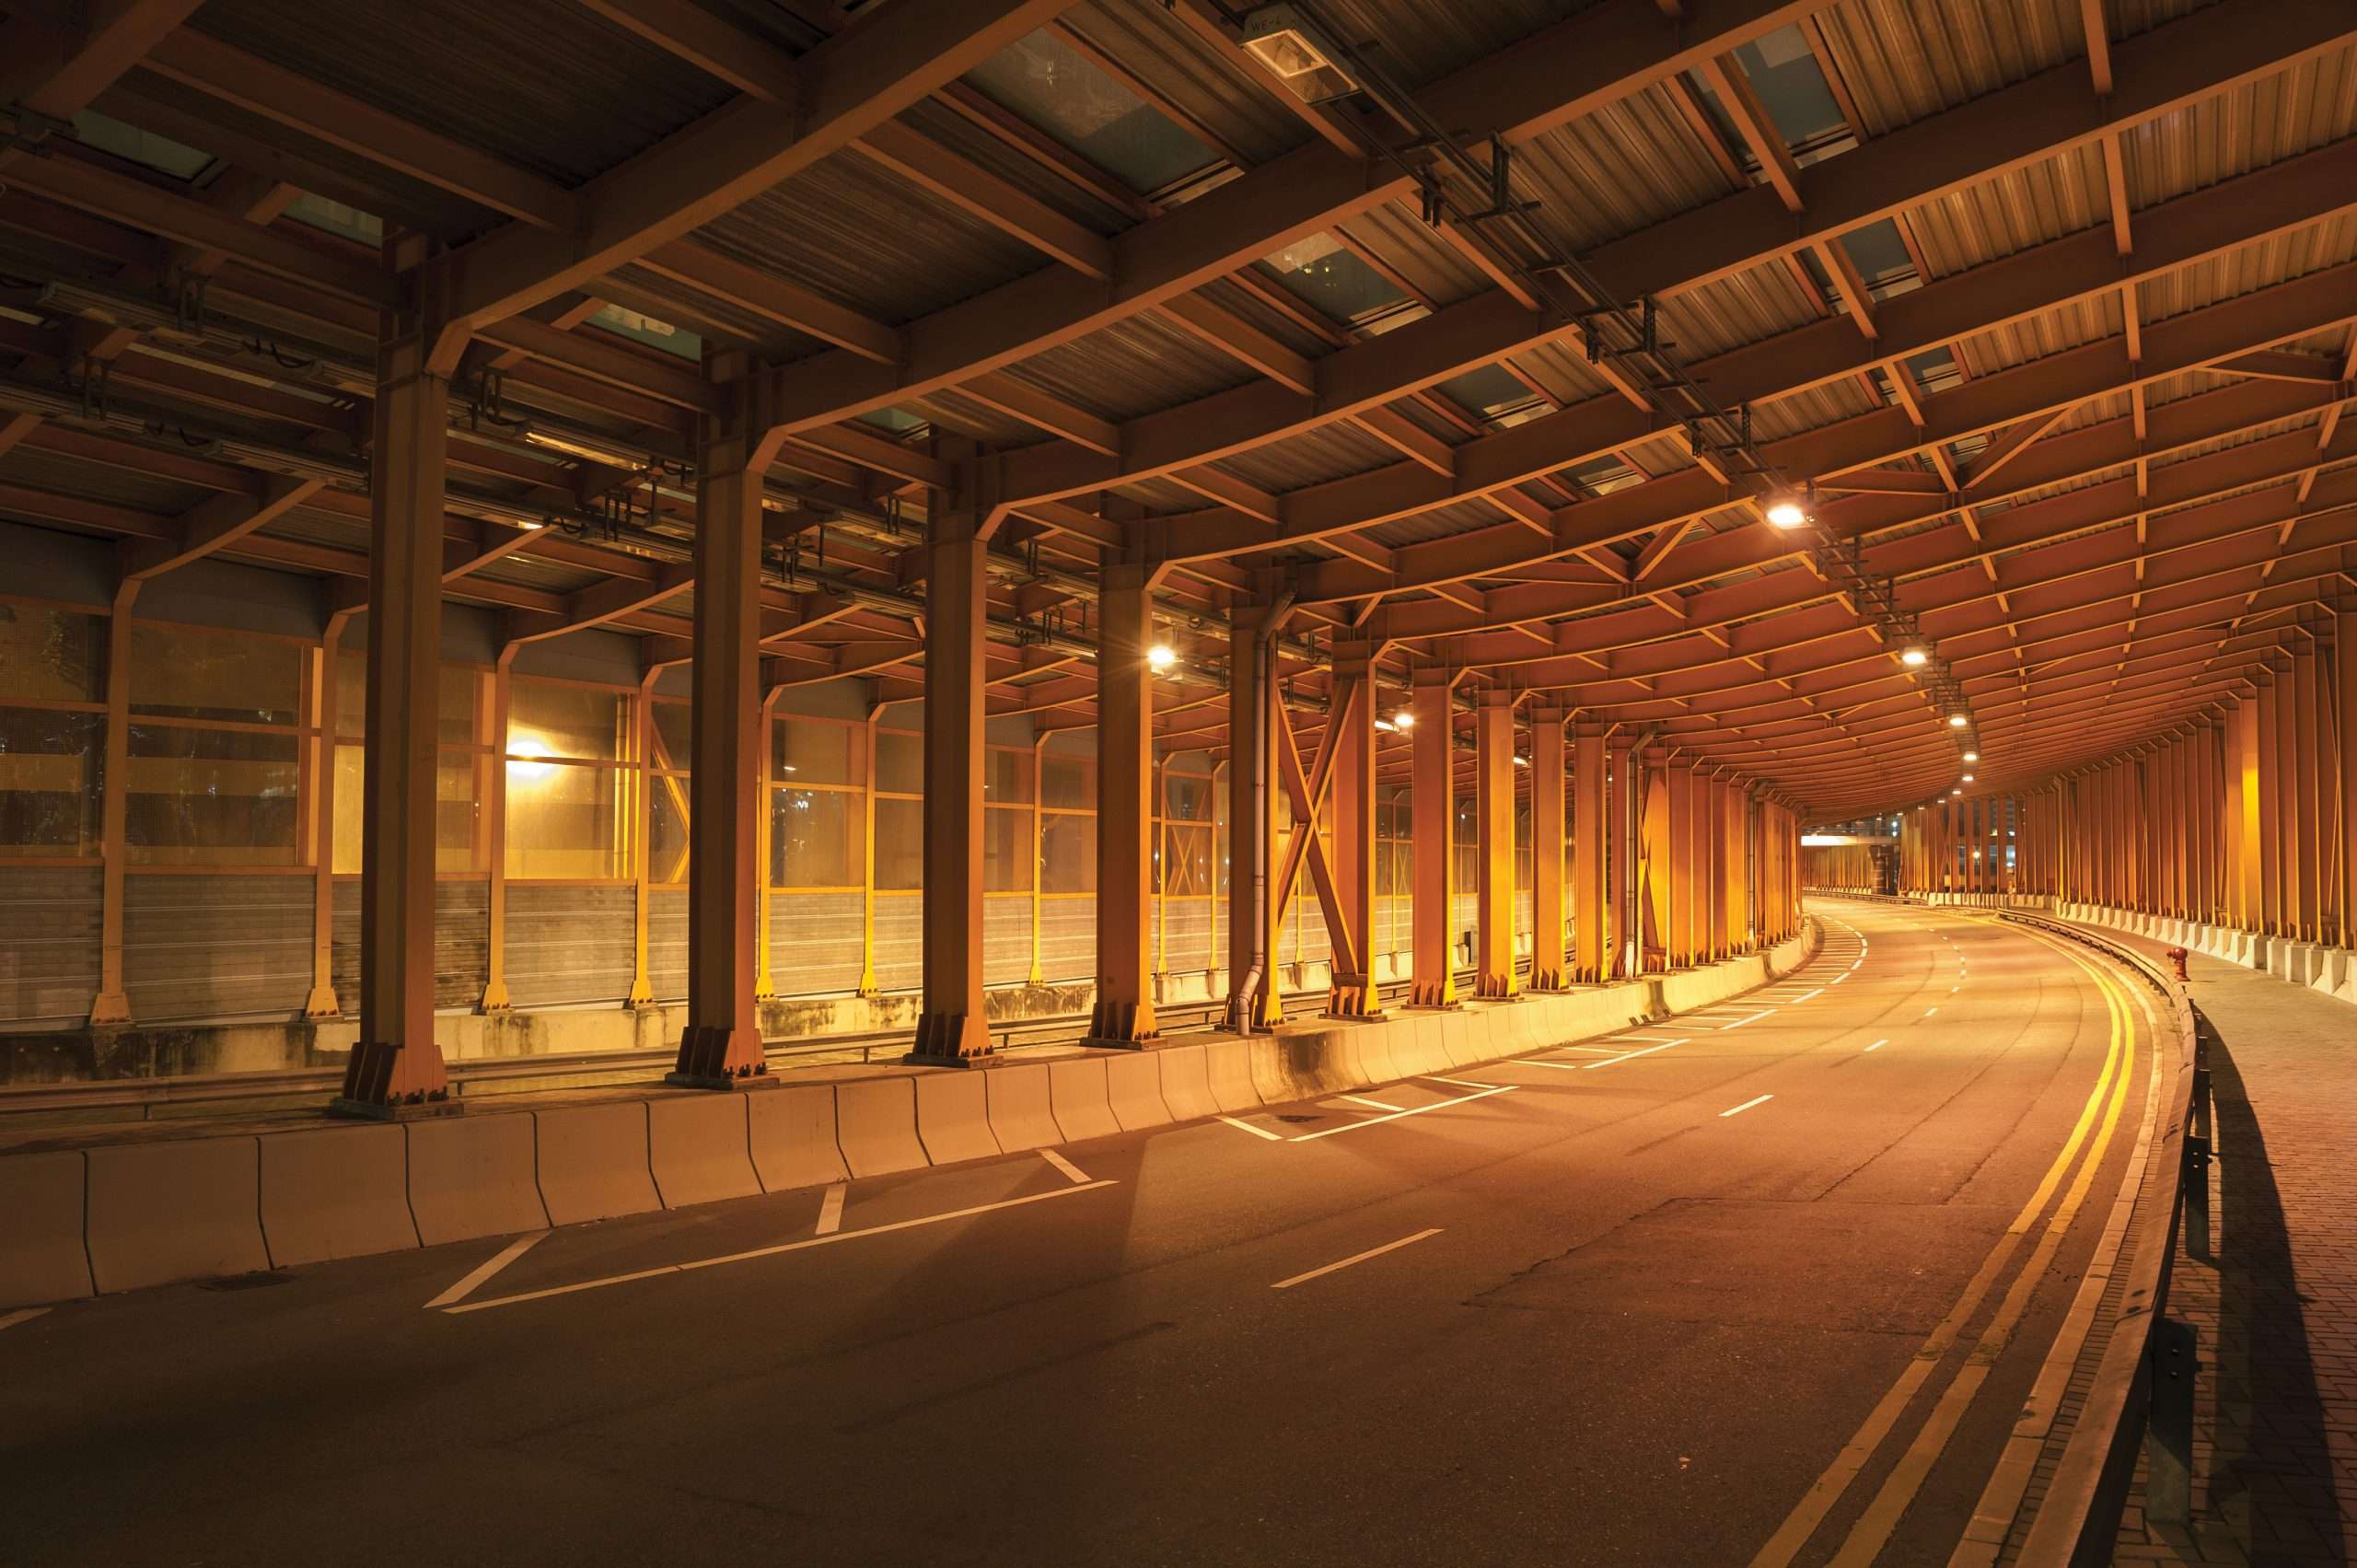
point(121, 1216)
point(2331, 971)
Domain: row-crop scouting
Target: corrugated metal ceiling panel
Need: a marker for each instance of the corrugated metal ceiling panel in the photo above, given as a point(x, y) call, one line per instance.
point(2305, 251)
point(1904, 61)
point(594, 95)
point(1135, 368)
point(1330, 452)
point(1434, 270)
point(2043, 201)
point(38, 469)
point(1622, 169)
point(1200, 83)
point(1423, 41)
point(856, 232)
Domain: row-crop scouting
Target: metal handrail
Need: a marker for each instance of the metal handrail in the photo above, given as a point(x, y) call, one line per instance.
point(2142, 1393)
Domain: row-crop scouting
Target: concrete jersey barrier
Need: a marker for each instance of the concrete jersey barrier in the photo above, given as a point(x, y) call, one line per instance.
point(121, 1216)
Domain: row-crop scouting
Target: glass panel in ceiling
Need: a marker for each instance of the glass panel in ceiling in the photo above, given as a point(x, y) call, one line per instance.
point(1880, 255)
point(1488, 390)
point(894, 420)
point(650, 332)
point(1790, 86)
point(337, 218)
point(1322, 272)
point(1935, 369)
point(1047, 82)
point(144, 148)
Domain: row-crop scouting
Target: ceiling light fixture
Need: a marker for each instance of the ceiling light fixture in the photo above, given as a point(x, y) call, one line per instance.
point(1972, 755)
point(1404, 719)
point(1915, 655)
point(1297, 54)
point(1957, 721)
point(1786, 511)
point(1161, 656)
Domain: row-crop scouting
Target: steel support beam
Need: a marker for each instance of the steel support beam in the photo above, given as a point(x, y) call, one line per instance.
point(721, 1047)
point(396, 1066)
point(1255, 900)
point(1591, 949)
point(1550, 965)
point(1433, 805)
point(2344, 647)
point(1494, 796)
point(1355, 995)
point(953, 1029)
point(1624, 791)
point(1124, 1012)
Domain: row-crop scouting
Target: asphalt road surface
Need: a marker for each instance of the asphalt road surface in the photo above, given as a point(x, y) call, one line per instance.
point(1625, 1302)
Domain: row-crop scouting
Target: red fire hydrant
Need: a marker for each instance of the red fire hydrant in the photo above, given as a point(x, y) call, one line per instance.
point(2176, 956)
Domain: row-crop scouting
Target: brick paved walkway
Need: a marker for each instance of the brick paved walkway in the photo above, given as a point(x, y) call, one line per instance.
point(2275, 1307)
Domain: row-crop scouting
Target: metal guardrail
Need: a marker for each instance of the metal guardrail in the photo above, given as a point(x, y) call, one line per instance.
point(2143, 1394)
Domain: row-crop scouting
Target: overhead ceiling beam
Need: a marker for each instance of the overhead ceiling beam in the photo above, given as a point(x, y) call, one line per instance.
point(844, 89)
point(288, 98)
point(2184, 343)
point(2164, 71)
point(1600, 56)
point(58, 73)
point(217, 523)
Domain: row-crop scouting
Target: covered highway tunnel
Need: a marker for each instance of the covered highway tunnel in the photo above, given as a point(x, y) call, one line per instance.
point(1597, 758)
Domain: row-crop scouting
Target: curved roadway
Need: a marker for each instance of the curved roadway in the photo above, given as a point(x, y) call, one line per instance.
point(1629, 1302)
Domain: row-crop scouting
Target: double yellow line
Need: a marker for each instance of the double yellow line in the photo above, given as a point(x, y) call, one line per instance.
point(1874, 1525)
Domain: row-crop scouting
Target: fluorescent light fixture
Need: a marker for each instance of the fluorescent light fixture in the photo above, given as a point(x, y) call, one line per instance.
point(1522, 762)
point(1297, 54)
point(1386, 726)
point(1161, 656)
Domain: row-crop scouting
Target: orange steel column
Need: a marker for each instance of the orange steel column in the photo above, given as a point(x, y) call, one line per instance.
point(1254, 910)
point(2344, 650)
point(1355, 995)
point(1548, 958)
point(2305, 718)
point(1709, 900)
point(396, 1066)
point(1124, 1010)
point(2242, 815)
point(1624, 799)
point(1433, 805)
point(1590, 936)
point(721, 1046)
point(322, 1001)
point(2269, 838)
point(1678, 940)
point(1731, 830)
point(2216, 794)
point(953, 1029)
point(1494, 970)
